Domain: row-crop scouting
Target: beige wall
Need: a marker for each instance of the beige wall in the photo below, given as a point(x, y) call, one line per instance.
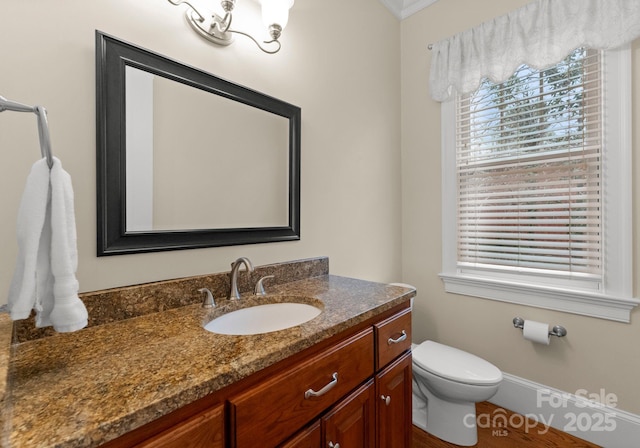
point(347, 86)
point(596, 353)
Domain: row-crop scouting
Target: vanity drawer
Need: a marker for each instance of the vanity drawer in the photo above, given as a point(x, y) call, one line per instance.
point(393, 337)
point(275, 409)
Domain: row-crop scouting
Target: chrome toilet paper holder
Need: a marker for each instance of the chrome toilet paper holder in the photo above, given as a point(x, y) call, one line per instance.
point(558, 330)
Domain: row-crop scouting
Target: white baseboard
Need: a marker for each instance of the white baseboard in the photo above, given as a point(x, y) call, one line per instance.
point(573, 413)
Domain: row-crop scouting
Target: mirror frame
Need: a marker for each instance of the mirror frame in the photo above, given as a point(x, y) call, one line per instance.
point(112, 56)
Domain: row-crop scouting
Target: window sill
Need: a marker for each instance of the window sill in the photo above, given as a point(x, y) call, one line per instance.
point(559, 299)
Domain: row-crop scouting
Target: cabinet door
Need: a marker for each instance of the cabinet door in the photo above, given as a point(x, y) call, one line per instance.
point(393, 389)
point(351, 424)
point(310, 437)
point(202, 430)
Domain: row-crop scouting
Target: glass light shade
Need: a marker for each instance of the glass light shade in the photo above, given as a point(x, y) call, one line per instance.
point(276, 12)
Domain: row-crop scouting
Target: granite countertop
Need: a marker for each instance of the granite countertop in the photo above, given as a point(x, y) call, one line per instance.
point(82, 389)
point(6, 328)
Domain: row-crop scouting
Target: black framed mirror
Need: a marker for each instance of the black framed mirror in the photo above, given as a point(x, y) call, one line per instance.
point(188, 160)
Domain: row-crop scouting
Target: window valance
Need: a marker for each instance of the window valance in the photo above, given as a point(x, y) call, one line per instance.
point(540, 34)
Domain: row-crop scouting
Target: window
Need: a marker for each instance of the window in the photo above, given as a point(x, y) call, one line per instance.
point(536, 193)
point(528, 165)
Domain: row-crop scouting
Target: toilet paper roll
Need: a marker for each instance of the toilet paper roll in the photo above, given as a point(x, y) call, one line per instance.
point(536, 332)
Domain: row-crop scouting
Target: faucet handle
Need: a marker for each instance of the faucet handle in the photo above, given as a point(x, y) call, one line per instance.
point(259, 289)
point(208, 300)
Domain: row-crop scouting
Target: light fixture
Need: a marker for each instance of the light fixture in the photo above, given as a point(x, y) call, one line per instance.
point(217, 29)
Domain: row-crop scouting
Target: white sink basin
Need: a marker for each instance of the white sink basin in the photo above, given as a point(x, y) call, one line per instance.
point(263, 318)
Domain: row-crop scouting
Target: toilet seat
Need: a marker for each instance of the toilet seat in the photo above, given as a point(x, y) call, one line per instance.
point(455, 365)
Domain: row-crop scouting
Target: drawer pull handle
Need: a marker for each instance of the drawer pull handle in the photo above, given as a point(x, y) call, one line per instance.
point(400, 339)
point(386, 399)
point(332, 445)
point(324, 390)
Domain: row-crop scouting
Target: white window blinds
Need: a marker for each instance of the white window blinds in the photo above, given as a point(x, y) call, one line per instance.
point(529, 171)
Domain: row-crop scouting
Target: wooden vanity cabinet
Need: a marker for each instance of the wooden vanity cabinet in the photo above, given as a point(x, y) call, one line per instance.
point(205, 429)
point(357, 388)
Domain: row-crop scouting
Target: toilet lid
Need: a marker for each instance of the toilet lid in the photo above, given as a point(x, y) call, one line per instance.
point(454, 364)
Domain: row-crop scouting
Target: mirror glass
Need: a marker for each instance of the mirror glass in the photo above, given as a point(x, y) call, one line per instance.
point(177, 132)
point(186, 159)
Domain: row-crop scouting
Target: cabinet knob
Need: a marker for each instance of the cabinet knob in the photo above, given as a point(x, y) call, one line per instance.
point(332, 445)
point(386, 399)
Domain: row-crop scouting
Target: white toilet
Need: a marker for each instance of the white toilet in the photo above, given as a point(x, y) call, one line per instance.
point(447, 384)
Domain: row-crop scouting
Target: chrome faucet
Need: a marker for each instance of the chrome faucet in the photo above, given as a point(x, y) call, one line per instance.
point(235, 267)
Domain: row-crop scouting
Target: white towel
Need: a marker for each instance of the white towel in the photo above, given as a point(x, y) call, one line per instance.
point(45, 278)
point(32, 267)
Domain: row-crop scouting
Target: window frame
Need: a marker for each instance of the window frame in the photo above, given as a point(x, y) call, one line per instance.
point(614, 300)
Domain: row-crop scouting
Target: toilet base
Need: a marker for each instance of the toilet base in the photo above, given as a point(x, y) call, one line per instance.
point(418, 410)
point(450, 421)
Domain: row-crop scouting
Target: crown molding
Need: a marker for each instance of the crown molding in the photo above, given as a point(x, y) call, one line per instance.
point(404, 8)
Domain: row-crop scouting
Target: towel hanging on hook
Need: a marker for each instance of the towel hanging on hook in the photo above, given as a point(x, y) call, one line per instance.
point(43, 125)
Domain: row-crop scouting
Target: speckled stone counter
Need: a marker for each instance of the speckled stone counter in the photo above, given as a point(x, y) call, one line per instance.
point(85, 388)
point(6, 327)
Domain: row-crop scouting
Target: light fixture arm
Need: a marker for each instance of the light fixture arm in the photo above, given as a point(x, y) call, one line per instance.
point(179, 2)
point(267, 42)
point(218, 29)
